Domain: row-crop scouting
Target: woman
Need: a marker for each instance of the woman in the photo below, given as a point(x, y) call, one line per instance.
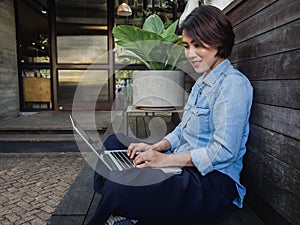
point(209, 143)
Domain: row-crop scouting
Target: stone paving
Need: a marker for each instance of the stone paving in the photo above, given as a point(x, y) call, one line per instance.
point(32, 185)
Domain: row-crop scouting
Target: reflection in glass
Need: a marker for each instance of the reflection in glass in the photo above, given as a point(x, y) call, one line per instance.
point(90, 81)
point(168, 10)
point(33, 35)
point(82, 49)
point(36, 89)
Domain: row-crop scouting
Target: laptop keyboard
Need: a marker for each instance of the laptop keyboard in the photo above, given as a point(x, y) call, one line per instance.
point(121, 158)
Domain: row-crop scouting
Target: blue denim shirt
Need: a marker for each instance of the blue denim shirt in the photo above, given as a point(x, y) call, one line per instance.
point(214, 126)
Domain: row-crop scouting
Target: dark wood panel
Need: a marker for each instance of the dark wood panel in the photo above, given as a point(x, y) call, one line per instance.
point(282, 120)
point(282, 39)
point(279, 66)
point(247, 215)
point(94, 204)
point(264, 210)
point(277, 145)
point(278, 196)
point(132, 126)
point(283, 175)
point(158, 127)
point(267, 51)
point(275, 15)
point(117, 124)
point(141, 127)
point(285, 93)
point(242, 12)
point(229, 217)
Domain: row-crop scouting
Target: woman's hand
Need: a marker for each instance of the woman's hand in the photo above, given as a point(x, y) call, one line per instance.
point(135, 148)
point(151, 158)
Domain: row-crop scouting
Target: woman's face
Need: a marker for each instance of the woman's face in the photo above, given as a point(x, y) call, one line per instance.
point(202, 57)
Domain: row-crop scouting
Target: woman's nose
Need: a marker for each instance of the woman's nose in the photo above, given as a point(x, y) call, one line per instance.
point(190, 53)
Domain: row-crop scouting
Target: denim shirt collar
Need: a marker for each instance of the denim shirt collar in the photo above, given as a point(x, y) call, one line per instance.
point(213, 75)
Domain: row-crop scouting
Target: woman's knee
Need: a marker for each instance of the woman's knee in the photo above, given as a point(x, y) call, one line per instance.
point(115, 141)
point(109, 139)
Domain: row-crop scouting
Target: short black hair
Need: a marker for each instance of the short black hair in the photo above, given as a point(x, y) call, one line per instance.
point(210, 25)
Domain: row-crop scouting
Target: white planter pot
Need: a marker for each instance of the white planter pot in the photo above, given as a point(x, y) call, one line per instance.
point(155, 88)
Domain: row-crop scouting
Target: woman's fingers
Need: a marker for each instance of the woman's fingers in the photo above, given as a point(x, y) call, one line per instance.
point(135, 148)
point(151, 158)
point(141, 160)
point(131, 150)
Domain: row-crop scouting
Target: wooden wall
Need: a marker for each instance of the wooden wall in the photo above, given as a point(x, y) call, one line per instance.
point(9, 89)
point(267, 50)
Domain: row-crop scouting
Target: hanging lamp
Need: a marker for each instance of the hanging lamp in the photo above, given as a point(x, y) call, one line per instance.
point(124, 10)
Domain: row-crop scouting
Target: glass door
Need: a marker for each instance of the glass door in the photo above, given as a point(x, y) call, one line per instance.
point(82, 46)
point(34, 55)
point(60, 43)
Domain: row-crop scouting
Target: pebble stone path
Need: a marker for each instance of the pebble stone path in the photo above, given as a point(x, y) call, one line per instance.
point(32, 185)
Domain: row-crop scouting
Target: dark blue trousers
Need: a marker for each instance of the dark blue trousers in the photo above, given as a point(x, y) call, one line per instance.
point(186, 198)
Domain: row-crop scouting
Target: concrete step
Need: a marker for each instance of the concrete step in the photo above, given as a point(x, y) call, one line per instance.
point(53, 141)
point(36, 137)
point(37, 142)
point(46, 131)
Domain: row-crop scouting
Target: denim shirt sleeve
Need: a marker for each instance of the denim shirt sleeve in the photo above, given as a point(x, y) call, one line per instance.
point(230, 114)
point(174, 137)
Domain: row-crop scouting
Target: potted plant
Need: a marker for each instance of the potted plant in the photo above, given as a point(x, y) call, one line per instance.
point(161, 51)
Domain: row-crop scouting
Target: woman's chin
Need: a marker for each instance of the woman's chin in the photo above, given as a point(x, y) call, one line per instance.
point(200, 69)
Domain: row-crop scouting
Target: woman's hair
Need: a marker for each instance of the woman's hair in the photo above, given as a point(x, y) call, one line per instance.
point(210, 25)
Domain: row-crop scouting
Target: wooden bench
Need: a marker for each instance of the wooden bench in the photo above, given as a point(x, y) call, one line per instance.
point(80, 202)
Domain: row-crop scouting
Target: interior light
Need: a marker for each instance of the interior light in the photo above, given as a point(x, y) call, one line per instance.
point(94, 27)
point(124, 10)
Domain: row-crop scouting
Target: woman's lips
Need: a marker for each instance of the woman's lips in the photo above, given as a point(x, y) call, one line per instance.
point(196, 63)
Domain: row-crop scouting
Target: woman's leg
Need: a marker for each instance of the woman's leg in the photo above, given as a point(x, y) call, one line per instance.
point(181, 199)
point(118, 141)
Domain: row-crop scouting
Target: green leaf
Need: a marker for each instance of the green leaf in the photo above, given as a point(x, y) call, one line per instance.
point(132, 55)
point(126, 34)
point(151, 45)
point(154, 24)
point(170, 30)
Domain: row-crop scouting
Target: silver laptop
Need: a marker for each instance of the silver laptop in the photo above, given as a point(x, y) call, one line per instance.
point(115, 160)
